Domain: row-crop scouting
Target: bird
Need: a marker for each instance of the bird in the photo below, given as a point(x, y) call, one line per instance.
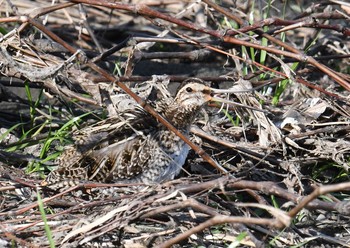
point(132, 147)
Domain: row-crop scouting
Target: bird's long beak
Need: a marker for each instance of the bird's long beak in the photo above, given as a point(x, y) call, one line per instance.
point(219, 99)
point(223, 91)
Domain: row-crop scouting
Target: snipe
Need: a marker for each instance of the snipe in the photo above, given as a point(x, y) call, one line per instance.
point(133, 147)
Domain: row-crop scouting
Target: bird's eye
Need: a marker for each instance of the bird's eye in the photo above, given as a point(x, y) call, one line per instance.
point(189, 89)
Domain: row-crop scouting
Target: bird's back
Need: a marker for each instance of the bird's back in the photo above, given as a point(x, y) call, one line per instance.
point(131, 147)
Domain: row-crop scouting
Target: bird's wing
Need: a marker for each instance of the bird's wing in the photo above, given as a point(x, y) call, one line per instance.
point(122, 160)
point(99, 148)
point(114, 129)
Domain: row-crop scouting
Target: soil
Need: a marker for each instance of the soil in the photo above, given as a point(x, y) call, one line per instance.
point(272, 178)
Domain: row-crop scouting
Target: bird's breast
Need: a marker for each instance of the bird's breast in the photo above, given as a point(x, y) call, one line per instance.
point(174, 146)
point(170, 142)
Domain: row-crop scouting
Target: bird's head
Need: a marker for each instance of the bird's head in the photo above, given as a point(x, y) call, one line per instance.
point(193, 95)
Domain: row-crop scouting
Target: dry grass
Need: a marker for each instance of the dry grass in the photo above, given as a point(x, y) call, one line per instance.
point(63, 65)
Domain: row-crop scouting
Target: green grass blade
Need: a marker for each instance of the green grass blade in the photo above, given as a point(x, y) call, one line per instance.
point(10, 130)
point(238, 240)
point(43, 217)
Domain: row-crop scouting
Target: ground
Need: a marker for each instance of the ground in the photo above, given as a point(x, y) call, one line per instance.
point(277, 178)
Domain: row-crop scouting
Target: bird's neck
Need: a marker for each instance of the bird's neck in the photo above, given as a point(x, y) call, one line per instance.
point(181, 117)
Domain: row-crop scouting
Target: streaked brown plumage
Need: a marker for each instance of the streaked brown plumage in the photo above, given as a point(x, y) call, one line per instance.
point(133, 147)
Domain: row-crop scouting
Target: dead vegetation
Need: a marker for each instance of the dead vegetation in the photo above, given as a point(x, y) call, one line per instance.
point(277, 178)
